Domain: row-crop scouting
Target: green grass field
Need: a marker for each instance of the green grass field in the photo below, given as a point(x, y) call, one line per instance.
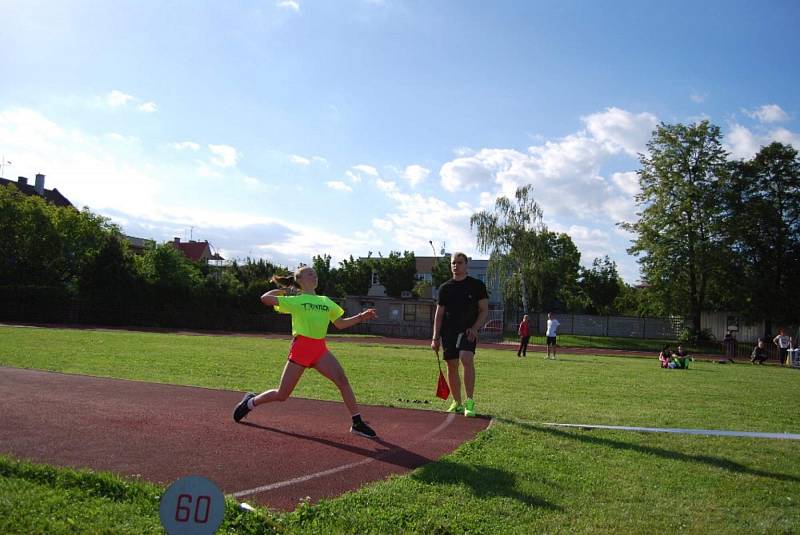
point(517, 477)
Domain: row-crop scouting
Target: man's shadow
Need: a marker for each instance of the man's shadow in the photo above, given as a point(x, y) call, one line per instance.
point(482, 480)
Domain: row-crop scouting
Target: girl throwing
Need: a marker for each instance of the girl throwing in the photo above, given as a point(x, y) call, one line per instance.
point(311, 314)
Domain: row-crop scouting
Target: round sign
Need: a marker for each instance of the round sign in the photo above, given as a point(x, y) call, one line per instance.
point(192, 505)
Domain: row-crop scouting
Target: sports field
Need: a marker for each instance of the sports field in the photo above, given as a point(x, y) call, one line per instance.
point(519, 476)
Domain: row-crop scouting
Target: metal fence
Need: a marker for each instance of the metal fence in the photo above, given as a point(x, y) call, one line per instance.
point(609, 326)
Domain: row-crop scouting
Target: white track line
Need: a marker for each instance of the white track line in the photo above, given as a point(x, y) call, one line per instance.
point(448, 420)
point(712, 432)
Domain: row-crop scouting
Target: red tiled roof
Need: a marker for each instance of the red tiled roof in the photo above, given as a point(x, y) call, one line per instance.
point(196, 250)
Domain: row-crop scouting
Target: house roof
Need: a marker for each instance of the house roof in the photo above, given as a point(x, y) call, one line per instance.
point(52, 196)
point(196, 250)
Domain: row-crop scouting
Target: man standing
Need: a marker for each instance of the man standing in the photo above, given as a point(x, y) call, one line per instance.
point(552, 332)
point(461, 311)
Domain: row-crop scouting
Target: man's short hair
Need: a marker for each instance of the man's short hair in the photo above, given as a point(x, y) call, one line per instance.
point(462, 255)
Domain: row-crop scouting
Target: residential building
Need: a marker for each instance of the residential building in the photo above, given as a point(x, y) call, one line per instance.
point(196, 251)
point(53, 196)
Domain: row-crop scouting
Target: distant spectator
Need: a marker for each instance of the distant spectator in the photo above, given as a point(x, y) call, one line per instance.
point(783, 343)
point(524, 336)
point(665, 358)
point(552, 332)
point(759, 354)
point(731, 345)
point(681, 358)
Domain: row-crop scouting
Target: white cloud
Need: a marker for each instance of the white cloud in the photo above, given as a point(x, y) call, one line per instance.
point(768, 113)
point(382, 224)
point(386, 186)
point(699, 98)
point(366, 169)
point(415, 174)
point(114, 180)
point(292, 5)
point(96, 171)
point(355, 174)
point(627, 182)
point(226, 156)
point(621, 130)
point(122, 138)
point(477, 171)
point(254, 184)
point(117, 98)
point(592, 242)
point(299, 160)
point(743, 143)
point(338, 185)
point(185, 145)
point(148, 107)
point(320, 160)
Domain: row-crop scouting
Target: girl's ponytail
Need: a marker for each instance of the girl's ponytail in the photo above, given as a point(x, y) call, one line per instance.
point(284, 281)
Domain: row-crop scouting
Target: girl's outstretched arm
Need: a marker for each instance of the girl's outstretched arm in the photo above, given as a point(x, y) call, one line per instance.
point(344, 323)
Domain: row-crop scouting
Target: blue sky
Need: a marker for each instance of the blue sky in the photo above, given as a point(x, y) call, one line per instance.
point(284, 129)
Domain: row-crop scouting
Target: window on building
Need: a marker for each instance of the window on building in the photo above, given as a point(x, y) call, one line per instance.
point(416, 312)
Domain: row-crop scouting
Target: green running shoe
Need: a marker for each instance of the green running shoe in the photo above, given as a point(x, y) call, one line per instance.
point(455, 407)
point(469, 409)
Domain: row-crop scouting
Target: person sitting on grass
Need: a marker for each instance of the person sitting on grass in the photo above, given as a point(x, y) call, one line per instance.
point(311, 314)
point(759, 354)
point(665, 358)
point(681, 359)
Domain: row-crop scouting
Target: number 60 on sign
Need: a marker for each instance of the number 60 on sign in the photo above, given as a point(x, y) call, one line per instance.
point(192, 505)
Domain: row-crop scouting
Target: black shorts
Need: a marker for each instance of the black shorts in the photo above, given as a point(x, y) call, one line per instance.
point(551, 340)
point(453, 344)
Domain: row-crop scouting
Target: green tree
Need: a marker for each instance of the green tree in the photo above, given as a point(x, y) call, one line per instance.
point(679, 234)
point(169, 272)
point(354, 276)
point(557, 272)
point(601, 285)
point(28, 240)
point(326, 276)
point(511, 236)
point(109, 278)
point(441, 272)
point(255, 271)
point(42, 244)
point(764, 231)
point(396, 272)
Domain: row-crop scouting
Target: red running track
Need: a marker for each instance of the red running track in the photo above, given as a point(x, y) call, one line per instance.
point(280, 454)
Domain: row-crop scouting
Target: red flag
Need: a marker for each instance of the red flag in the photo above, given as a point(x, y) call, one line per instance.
point(442, 389)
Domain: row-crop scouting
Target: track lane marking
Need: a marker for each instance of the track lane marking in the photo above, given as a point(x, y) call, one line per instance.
point(302, 479)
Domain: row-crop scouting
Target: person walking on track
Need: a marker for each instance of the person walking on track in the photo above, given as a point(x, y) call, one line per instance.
point(311, 314)
point(461, 311)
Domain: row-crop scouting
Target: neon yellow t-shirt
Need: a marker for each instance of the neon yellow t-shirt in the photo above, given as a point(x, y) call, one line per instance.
point(310, 313)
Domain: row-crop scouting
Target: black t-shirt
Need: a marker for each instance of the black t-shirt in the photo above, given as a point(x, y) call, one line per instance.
point(460, 302)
